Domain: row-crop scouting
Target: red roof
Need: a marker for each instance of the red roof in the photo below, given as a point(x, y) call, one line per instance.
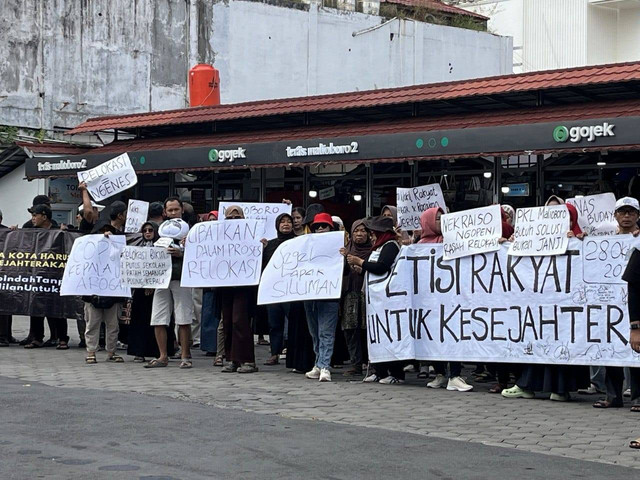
point(471, 120)
point(437, 6)
point(506, 84)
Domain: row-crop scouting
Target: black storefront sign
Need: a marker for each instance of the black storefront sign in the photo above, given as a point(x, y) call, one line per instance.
point(602, 132)
point(32, 263)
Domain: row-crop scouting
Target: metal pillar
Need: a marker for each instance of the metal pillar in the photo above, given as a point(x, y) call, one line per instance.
point(369, 190)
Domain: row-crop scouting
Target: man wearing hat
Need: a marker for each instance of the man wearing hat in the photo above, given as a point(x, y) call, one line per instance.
point(40, 200)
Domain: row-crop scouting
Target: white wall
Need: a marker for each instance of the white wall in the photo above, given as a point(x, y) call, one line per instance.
point(16, 195)
point(629, 34)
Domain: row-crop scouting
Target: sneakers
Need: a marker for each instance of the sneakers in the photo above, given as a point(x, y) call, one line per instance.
point(458, 384)
point(121, 346)
point(325, 375)
point(410, 368)
point(439, 382)
point(556, 397)
point(373, 378)
point(627, 393)
point(424, 372)
point(391, 380)
point(313, 374)
point(230, 367)
point(517, 392)
point(247, 368)
point(592, 390)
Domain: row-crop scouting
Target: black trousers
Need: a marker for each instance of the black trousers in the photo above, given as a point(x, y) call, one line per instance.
point(57, 326)
point(614, 380)
point(395, 369)
point(353, 337)
point(5, 328)
point(455, 368)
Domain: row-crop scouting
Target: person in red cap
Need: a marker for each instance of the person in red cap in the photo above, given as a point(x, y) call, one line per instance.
point(322, 317)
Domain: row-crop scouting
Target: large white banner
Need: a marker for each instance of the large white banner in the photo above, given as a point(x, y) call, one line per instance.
point(93, 267)
point(411, 202)
point(308, 267)
point(267, 212)
point(595, 213)
point(136, 215)
point(471, 231)
point(145, 267)
point(226, 253)
point(497, 308)
point(111, 177)
point(540, 231)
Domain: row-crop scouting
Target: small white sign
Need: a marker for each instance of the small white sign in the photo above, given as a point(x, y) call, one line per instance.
point(145, 267)
point(109, 178)
point(471, 231)
point(411, 202)
point(595, 214)
point(267, 212)
point(136, 216)
point(540, 231)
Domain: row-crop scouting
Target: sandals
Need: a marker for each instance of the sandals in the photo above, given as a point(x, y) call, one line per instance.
point(497, 388)
point(155, 363)
point(34, 344)
point(607, 404)
point(115, 359)
point(273, 360)
point(186, 364)
point(635, 408)
point(90, 359)
point(62, 346)
point(635, 444)
point(139, 360)
point(219, 361)
point(262, 341)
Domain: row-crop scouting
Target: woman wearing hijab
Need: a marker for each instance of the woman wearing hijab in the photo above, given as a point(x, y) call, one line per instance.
point(142, 339)
point(322, 317)
point(277, 312)
point(392, 212)
point(384, 251)
point(238, 304)
point(432, 233)
point(353, 321)
point(560, 380)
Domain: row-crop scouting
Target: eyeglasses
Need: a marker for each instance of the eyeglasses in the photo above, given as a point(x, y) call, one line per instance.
point(234, 218)
point(147, 230)
point(627, 211)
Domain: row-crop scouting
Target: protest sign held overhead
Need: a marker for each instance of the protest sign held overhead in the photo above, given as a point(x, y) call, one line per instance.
point(145, 267)
point(308, 267)
point(595, 214)
point(267, 212)
point(93, 267)
point(494, 307)
point(605, 258)
point(413, 201)
point(136, 215)
point(111, 177)
point(471, 231)
point(32, 262)
point(223, 254)
point(540, 231)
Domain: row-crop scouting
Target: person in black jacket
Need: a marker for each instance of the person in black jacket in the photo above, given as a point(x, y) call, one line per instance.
point(277, 312)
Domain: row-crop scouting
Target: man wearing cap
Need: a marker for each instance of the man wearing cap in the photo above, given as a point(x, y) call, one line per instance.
point(627, 212)
point(155, 213)
point(40, 200)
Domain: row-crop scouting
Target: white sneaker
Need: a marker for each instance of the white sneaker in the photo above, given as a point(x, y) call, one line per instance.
point(313, 374)
point(627, 393)
point(592, 390)
point(439, 382)
point(371, 378)
point(409, 368)
point(458, 384)
point(325, 375)
point(391, 380)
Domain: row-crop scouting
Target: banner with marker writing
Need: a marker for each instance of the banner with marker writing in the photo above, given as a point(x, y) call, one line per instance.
point(111, 177)
point(495, 307)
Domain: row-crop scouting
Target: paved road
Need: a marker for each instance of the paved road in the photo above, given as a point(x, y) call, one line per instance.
point(71, 433)
point(572, 430)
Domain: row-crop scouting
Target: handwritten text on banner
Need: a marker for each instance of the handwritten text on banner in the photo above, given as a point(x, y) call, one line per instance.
point(471, 231)
point(145, 267)
point(111, 177)
point(267, 212)
point(413, 201)
point(595, 213)
point(540, 231)
point(136, 215)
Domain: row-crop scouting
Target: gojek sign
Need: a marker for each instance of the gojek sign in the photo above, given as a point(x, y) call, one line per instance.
point(577, 134)
point(216, 155)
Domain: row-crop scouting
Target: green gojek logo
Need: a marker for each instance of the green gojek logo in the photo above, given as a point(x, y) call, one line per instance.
point(561, 134)
point(213, 155)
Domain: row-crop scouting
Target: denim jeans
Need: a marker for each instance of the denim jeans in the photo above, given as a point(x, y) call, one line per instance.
point(210, 320)
point(322, 319)
point(277, 315)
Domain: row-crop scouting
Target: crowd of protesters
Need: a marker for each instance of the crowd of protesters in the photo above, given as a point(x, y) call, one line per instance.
point(311, 336)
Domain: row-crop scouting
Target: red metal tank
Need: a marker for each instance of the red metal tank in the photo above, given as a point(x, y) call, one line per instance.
point(204, 85)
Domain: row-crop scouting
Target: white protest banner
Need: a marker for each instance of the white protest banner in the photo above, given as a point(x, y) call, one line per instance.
point(471, 231)
point(136, 215)
point(595, 213)
point(145, 267)
point(93, 267)
point(308, 267)
point(267, 212)
point(109, 178)
point(411, 202)
point(605, 258)
point(493, 307)
point(540, 231)
point(223, 254)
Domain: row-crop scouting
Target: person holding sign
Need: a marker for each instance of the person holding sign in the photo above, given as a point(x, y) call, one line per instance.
point(385, 249)
point(277, 312)
point(632, 277)
point(322, 317)
point(174, 300)
point(238, 304)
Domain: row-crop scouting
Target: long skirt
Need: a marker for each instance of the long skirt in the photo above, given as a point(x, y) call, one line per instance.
point(142, 338)
point(560, 379)
point(300, 354)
